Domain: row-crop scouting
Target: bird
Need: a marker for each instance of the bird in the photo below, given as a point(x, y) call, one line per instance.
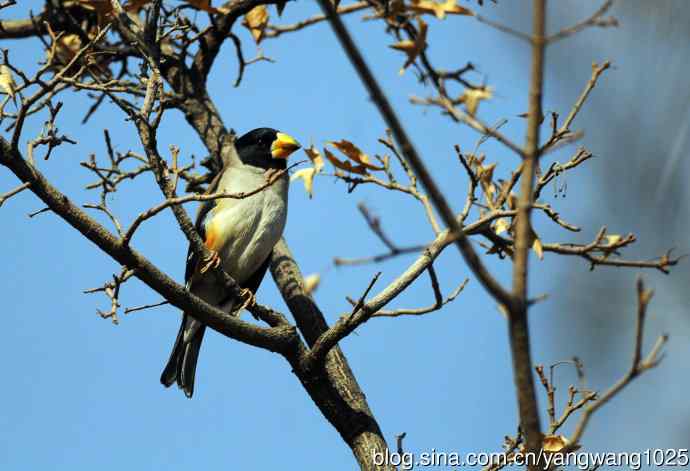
point(240, 233)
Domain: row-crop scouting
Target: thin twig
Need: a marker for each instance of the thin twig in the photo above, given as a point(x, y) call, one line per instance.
point(637, 367)
point(146, 306)
point(564, 130)
point(361, 312)
point(11, 193)
point(503, 28)
point(595, 20)
point(273, 31)
point(438, 304)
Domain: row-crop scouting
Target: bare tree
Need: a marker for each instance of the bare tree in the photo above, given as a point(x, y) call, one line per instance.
point(147, 57)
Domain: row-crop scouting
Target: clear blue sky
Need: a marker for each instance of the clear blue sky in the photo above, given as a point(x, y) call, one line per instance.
point(79, 393)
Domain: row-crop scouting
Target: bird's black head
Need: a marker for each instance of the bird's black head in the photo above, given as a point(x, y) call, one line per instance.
point(266, 148)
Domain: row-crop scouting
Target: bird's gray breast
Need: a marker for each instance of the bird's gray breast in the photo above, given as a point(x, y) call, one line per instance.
point(249, 227)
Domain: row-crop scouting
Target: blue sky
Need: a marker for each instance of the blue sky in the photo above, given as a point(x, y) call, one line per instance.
point(81, 393)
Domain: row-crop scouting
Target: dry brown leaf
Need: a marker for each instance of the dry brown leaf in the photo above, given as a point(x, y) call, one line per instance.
point(412, 48)
point(471, 97)
point(256, 21)
point(486, 175)
point(344, 165)
point(354, 153)
point(135, 6)
point(439, 9)
point(280, 6)
point(204, 5)
point(554, 443)
point(311, 283)
point(102, 8)
point(7, 81)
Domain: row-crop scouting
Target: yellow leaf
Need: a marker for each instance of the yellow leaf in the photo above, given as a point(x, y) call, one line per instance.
point(612, 239)
point(503, 310)
point(555, 443)
point(538, 248)
point(344, 165)
point(440, 10)
point(67, 47)
point(501, 226)
point(307, 175)
point(354, 153)
point(315, 157)
point(204, 5)
point(7, 81)
point(412, 48)
point(486, 174)
point(256, 21)
point(472, 96)
point(311, 282)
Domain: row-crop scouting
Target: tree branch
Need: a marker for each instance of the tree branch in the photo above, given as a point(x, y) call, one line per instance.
point(212, 40)
point(273, 31)
point(343, 403)
point(637, 367)
point(411, 155)
point(277, 339)
point(517, 320)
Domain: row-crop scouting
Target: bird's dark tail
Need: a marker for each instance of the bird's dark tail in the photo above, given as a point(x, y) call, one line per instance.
point(181, 366)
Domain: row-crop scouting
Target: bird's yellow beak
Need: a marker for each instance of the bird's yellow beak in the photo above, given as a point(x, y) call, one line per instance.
point(283, 146)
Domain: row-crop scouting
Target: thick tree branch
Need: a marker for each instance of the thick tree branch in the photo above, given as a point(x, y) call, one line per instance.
point(344, 403)
point(20, 29)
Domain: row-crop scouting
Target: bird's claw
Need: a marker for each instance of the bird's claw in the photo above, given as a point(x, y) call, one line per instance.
point(212, 261)
point(249, 299)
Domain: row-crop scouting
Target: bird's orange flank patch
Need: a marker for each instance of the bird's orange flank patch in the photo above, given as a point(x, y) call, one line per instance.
point(211, 238)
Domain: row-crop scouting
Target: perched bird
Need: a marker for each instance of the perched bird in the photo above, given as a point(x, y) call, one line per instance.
point(241, 233)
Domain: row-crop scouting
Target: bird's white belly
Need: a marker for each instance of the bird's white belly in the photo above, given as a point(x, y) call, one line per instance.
point(250, 228)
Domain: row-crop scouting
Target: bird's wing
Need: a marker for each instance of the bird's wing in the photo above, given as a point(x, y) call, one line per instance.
point(203, 216)
point(252, 284)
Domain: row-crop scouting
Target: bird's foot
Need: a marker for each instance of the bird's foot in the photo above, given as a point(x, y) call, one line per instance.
point(248, 299)
point(213, 261)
